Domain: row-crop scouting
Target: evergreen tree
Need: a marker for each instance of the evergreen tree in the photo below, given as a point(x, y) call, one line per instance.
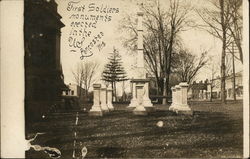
point(114, 71)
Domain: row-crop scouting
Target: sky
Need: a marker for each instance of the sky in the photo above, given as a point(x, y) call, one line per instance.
point(193, 39)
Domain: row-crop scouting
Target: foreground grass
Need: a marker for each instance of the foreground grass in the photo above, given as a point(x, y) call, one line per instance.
point(214, 130)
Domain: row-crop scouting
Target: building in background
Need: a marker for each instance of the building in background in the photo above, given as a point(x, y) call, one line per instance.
point(216, 91)
point(198, 91)
point(44, 80)
point(202, 90)
point(74, 96)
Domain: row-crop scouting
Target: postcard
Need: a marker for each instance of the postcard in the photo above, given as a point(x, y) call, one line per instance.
point(124, 79)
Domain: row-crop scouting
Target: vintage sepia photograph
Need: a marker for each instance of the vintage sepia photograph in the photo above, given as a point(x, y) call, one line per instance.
point(133, 79)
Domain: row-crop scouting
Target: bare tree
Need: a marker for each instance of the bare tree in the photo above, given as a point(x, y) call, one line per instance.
point(78, 74)
point(90, 69)
point(163, 26)
point(189, 65)
point(84, 75)
point(212, 83)
point(228, 64)
point(236, 25)
point(214, 70)
point(217, 21)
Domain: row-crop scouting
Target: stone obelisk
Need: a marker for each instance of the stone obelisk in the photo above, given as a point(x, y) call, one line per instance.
point(140, 82)
point(140, 57)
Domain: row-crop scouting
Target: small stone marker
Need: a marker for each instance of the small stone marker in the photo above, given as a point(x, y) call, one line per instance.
point(96, 108)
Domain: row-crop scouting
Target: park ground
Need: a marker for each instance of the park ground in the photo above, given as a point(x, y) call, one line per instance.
point(213, 131)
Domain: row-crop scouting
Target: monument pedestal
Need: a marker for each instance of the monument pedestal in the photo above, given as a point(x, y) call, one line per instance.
point(183, 107)
point(133, 102)
point(103, 98)
point(95, 112)
point(140, 110)
point(146, 101)
point(109, 99)
point(177, 98)
point(141, 101)
point(96, 108)
point(132, 105)
point(173, 105)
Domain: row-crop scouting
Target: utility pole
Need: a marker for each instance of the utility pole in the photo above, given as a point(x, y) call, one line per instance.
point(233, 82)
point(223, 54)
point(232, 50)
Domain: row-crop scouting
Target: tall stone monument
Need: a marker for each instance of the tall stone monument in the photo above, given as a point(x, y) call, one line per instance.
point(140, 101)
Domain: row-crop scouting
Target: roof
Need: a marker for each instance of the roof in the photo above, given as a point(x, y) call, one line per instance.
point(237, 74)
point(199, 86)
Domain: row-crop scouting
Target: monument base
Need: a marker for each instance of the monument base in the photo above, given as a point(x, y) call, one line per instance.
point(149, 109)
point(148, 105)
point(141, 113)
point(140, 110)
point(105, 109)
point(183, 109)
point(129, 109)
point(172, 107)
point(188, 112)
point(132, 105)
point(95, 113)
point(110, 107)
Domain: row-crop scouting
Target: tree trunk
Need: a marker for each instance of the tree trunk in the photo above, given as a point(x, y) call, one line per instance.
point(240, 52)
point(80, 95)
point(166, 87)
point(86, 94)
point(112, 85)
point(164, 100)
point(168, 66)
point(115, 91)
point(233, 88)
point(211, 92)
point(223, 54)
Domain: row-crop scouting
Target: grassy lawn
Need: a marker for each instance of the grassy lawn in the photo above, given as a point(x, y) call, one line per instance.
point(214, 130)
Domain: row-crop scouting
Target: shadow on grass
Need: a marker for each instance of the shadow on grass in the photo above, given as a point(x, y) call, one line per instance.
point(113, 134)
point(111, 152)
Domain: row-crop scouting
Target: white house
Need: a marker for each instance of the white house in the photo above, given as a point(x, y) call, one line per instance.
point(216, 84)
point(72, 96)
point(202, 90)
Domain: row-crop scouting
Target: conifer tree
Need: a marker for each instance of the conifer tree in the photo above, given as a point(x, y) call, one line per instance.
point(114, 71)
